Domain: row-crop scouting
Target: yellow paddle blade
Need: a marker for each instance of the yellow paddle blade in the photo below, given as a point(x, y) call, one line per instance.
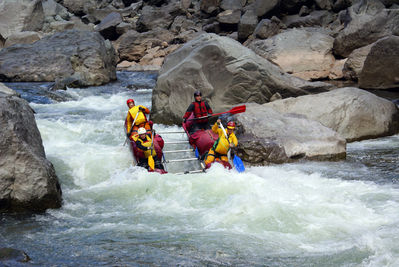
point(151, 162)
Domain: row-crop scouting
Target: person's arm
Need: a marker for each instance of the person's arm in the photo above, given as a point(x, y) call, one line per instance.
point(144, 146)
point(208, 108)
point(144, 109)
point(215, 127)
point(129, 122)
point(189, 110)
point(233, 140)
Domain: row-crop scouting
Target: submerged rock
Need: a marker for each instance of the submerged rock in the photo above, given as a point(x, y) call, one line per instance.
point(9, 256)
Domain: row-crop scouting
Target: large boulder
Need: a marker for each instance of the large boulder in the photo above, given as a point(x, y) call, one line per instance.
point(84, 57)
point(226, 72)
point(305, 53)
point(354, 65)
point(315, 18)
point(353, 113)
point(381, 66)
point(269, 136)
point(153, 17)
point(133, 45)
point(365, 22)
point(20, 15)
point(27, 179)
point(27, 37)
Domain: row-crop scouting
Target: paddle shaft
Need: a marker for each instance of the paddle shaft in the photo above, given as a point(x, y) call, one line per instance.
point(225, 134)
point(234, 110)
point(151, 163)
point(131, 129)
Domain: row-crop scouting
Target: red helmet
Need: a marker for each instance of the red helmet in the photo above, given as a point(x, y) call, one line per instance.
point(231, 125)
point(128, 101)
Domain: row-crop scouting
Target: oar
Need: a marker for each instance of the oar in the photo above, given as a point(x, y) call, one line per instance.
point(227, 138)
point(151, 162)
point(235, 110)
point(131, 129)
point(237, 162)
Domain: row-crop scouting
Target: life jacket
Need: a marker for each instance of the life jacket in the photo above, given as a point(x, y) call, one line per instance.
point(141, 118)
point(146, 143)
point(221, 146)
point(200, 110)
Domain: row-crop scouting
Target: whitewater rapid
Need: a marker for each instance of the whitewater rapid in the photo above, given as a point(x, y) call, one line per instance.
point(303, 214)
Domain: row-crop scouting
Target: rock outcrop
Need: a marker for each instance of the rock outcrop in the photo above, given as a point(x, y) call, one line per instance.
point(28, 181)
point(269, 136)
point(353, 113)
point(82, 58)
point(226, 72)
point(380, 68)
point(305, 53)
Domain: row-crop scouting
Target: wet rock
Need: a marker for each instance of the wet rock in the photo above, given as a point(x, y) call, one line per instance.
point(27, 179)
point(10, 256)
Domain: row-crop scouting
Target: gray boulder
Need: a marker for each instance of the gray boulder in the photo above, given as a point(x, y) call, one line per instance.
point(262, 7)
point(365, 22)
point(247, 24)
point(229, 16)
point(304, 53)
point(153, 17)
point(209, 6)
point(232, 4)
point(20, 15)
point(226, 72)
point(107, 27)
point(27, 179)
point(85, 56)
point(315, 18)
point(381, 66)
point(27, 37)
point(354, 65)
point(353, 113)
point(269, 136)
point(268, 27)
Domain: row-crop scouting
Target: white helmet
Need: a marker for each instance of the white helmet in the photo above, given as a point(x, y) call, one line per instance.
point(141, 130)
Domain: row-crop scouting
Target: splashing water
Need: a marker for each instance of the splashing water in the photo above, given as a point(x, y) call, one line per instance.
point(303, 214)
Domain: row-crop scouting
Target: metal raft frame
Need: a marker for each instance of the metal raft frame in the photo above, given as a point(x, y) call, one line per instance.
point(192, 157)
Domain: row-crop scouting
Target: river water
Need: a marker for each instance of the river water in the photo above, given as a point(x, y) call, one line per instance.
point(114, 214)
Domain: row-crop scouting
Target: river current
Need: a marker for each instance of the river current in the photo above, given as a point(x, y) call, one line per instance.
point(341, 213)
